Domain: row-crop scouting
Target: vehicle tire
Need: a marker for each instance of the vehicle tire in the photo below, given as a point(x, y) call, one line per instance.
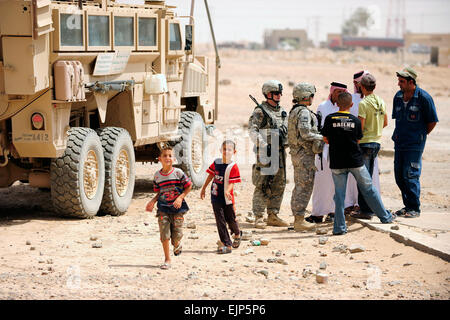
point(78, 177)
point(191, 150)
point(120, 170)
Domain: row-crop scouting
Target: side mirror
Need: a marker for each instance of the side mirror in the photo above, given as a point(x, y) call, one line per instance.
point(188, 32)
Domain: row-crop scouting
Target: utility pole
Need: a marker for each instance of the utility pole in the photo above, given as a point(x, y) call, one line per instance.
point(317, 30)
point(396, 14)
point(216, 98)
point(316, 20)
point(388, 22)
point(403, 18)
point(191, 21)
point(397, 18)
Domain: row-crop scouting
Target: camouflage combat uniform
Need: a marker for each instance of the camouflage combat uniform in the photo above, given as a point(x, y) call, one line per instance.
point(269, 189)
point(303, 137)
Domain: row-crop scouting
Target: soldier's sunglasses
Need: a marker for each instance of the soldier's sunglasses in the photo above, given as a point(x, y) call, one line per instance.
point(277, 93)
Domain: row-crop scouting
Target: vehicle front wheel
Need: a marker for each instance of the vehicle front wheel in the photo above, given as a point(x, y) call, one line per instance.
point(78, 176)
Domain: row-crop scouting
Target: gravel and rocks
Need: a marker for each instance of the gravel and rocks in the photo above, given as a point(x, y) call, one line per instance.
point(265, 273)
point(342, 248)
point(322, 278)
point(355, 248)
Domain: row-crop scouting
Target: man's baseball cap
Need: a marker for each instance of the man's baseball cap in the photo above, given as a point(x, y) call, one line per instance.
point(368, 80)
point(407, 72)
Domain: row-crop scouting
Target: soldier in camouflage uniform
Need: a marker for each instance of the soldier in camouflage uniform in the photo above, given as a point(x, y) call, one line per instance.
point(268, 131)
point(304, 142)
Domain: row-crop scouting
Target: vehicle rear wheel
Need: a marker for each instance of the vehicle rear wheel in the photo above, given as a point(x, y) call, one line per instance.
point(120, 170)
point(78, 177)
point(191, 150)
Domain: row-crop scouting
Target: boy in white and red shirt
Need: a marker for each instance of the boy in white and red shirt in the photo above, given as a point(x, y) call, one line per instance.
point(224, 173)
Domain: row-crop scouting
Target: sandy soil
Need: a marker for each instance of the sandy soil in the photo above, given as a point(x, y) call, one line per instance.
point(43, 256)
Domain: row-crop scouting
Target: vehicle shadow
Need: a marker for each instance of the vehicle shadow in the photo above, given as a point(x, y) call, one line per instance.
point(143, 188)
point(312, 234)
point(133, 266)
point(291, 234)
point(199, 252)
point(21, 203)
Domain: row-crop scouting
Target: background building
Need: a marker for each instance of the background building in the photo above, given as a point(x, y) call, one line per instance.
point(437, 44)
point(287, 39)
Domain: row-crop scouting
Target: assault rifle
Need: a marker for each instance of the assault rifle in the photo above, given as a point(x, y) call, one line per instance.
point(319, 127)
point(282, 130)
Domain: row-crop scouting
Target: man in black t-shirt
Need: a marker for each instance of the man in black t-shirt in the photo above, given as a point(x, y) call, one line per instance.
point(342, 131)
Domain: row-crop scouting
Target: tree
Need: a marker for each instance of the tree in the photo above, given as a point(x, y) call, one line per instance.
point(361, 18)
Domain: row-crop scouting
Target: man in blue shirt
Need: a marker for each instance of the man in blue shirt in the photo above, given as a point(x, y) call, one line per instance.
point(415, 117)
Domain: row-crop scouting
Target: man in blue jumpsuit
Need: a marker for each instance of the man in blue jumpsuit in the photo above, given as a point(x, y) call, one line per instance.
point(415, 117)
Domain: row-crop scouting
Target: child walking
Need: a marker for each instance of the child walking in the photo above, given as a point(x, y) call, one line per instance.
point(172, 185)
point(224, 173)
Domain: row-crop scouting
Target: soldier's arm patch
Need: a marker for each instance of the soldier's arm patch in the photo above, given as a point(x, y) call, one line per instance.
point(304, 119)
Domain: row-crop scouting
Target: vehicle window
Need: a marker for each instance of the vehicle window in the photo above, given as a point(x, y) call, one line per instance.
point(98, 30)
point(124, 31)
point(147, 31)
point(71, 26)
point(188, 37)
point(175, 36)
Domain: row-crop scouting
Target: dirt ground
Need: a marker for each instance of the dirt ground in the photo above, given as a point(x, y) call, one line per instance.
point(43, 256)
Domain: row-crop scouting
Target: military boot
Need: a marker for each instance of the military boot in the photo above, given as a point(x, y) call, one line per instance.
point(301, 225)
point(259, 223)
point(275, 221)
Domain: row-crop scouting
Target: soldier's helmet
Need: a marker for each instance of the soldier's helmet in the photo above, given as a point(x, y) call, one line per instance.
point(303, 91)
point(272, 86)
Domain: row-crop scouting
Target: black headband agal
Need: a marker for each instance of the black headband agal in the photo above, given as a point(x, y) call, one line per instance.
point(357, 75)
point(340, 85)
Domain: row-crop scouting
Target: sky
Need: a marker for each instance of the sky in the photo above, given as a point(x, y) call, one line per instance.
point(246, 20)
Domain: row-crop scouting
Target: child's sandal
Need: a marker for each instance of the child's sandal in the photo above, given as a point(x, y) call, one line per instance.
point(177, 251)
point(165, 266)
point(237, 241)
point(224, 250)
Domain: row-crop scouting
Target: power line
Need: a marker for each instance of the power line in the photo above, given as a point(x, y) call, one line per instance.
point(308, 16)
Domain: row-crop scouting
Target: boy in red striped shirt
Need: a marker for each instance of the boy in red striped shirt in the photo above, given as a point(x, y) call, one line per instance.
point(172, 185)
point(224, 173)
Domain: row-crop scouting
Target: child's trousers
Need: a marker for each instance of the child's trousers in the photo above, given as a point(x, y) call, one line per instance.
point(225, 215)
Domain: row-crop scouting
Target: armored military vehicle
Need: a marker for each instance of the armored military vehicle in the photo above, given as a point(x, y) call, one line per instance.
point(87, 88)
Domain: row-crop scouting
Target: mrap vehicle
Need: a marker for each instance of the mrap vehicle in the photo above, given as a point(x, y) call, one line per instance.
point(87, 88)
